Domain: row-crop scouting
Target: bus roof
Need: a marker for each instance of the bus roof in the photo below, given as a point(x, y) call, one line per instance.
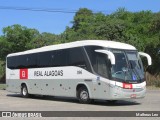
point(103, 43)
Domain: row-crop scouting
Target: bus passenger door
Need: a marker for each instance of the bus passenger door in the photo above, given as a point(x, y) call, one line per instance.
point(102, 68)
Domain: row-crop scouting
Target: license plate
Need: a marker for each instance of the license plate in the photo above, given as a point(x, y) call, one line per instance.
point(133, 95)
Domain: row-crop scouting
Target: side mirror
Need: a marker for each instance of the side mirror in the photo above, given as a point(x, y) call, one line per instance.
point(147, 56)
point(110, 55)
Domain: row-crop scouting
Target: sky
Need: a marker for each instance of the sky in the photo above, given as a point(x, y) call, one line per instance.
point(54, 22)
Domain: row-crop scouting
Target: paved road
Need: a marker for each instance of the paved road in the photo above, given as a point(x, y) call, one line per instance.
point(12, 102)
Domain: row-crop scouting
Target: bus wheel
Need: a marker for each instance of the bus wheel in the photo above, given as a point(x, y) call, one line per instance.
point(24, 91)
point(83, 95)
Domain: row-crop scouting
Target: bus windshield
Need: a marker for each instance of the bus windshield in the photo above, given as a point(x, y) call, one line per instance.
point(128, 67)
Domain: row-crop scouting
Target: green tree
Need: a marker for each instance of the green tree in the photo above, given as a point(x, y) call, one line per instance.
point(82, 19)
point(16, 39)
point(43, 39)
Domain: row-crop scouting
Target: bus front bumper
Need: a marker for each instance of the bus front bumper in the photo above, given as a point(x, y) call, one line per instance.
point(118, 93)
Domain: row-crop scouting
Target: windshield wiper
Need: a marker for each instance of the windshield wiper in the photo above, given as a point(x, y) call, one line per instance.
point(135, 71)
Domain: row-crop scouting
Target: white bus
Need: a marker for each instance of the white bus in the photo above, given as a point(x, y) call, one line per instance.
point(87, 70)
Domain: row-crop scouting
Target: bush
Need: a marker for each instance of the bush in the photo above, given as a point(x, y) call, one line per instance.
point(157, 83)
point(2, 72)
point(152, 80)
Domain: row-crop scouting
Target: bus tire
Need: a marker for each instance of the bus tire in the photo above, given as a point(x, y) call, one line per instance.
point(83, 95)
point(24, 91)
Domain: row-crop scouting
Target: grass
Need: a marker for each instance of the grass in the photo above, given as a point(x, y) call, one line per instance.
point(2, 86)
point(153, 88)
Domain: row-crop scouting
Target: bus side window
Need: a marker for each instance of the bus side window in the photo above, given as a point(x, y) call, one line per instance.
point(11, 64)
point(21, 62)
point(60, 58)
point(76, 58)
point(16, 62)
point(44, 59)
point(102, 65)
point(31, 60)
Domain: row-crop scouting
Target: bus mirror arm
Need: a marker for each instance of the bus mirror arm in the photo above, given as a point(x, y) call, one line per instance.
point(147, 56)
point(109, 53)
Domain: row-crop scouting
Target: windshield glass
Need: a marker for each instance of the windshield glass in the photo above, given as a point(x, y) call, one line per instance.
point(128, 66)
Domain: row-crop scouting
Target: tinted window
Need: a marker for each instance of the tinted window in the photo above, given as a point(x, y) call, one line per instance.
point(52, 58)
point(45, 59)
point(16, 62)
point(11, 62)
point(92, 54)
point(21, 61)
point(60, 58)
point(102, 65)
point(38, 60)
point(31, 60)
point(99, 61)
point(77, 58)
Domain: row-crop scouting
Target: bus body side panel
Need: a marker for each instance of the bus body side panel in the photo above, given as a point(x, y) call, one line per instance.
point(13, 84)
point(53, 87)
point(66, 84)
point(48, 81)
